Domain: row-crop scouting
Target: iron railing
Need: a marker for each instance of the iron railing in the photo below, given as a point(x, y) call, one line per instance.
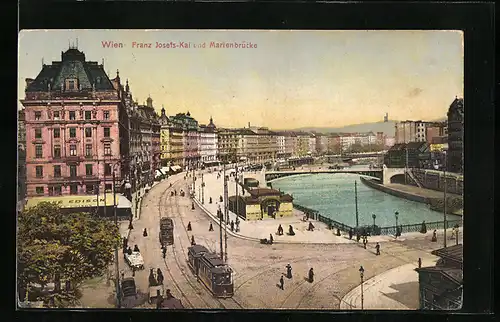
point(391, 230)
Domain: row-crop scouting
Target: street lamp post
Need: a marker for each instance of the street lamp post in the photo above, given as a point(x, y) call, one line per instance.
point(396, 214)
point(374, 217)
point(202, 190)
point(361, 275)
point(117, 271)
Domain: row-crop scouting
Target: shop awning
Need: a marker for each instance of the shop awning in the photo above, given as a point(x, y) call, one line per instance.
point(175, 168)
point(81, 201)
point(158, 173)
point(165, 170)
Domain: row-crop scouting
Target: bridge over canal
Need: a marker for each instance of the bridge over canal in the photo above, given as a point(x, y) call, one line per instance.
point(384, 175)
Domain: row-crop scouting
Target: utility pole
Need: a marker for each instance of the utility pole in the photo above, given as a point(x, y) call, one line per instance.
point(105, 206)
point(236, 185)
point(219, 212)
point(444, 202)
point(117, 271)
point(356, 202)
point(406, 165)
point(226, 212)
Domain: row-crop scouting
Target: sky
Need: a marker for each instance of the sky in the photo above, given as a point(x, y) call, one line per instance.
point(287, 80)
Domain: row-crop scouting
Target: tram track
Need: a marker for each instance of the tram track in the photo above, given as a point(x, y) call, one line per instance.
point(217, 302)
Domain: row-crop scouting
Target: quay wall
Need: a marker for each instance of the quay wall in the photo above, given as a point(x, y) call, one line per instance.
point(454, 204)
point(396, 193)
point(435, 181)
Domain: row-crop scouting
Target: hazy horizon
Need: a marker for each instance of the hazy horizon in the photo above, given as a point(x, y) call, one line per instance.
point(293, 79)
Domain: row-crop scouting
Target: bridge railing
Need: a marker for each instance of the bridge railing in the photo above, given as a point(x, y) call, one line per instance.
point(391, 230)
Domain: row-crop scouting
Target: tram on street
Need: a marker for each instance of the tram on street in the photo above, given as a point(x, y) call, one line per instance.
point(211, 271)
point(166, 231)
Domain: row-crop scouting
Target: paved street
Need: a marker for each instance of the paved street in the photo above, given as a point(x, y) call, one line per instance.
point(257, 268)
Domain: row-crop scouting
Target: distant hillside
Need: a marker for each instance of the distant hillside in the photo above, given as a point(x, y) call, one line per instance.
point(386, 127)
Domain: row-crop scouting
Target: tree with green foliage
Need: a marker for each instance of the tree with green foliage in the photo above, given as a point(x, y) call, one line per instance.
point(53, 246)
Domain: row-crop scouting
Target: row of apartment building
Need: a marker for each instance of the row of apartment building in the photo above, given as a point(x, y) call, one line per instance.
point(444, 140)
point(79, 127)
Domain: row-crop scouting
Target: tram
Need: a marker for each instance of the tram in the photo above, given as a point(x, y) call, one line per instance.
point(211, 271)
point(166, 231)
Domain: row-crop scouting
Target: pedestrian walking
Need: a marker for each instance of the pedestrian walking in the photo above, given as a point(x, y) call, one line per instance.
point(159, 276)
point(232, 225)
point(189, 226)
point(350, 233)
point(169, 294)
point(311, 227)
point(282, 282)
point(338, 232)
point(311, 275)
point(419, 262)
point(192, 206)
point(271, 239)
point(280, 230)
point(164, 251)
point(192, 241)
point(136, 249)
point(423, 228)
point(358, 237)
point(377, 249)
point(210, 200)
point(159, 299)
point(145, 233)
point(130, 226)
point(365, 241)
point(220, 199)
point(211, 228)
point(434, 236)
point(151, 278)
point(133, 271)
point(288, 271)
point(129, 250)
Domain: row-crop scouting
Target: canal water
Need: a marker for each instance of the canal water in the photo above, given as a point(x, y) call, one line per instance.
point(333, 196)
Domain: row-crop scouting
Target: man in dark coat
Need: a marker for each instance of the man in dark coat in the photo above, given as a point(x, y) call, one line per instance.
point(311, 275)
point(189, 226)
point(377, 249)
point(151, 278)
point(211, 228)
point(129, 250)
point(159, 299)
point(289, 271)
point(282, 282)
point(136, 248)
point(159, 276)
point(350, 233)
point(434, 236)
point(271, 239)
point(232, 225)
point(164, 251)
point(145, 233)
point(192, 241)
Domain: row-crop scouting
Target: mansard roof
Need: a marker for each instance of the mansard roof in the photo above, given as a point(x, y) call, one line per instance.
point(72, 65)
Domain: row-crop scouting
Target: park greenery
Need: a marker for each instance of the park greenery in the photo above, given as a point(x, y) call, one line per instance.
point(55, 247)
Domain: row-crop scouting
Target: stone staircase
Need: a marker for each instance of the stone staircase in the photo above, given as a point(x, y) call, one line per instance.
point(412, 176)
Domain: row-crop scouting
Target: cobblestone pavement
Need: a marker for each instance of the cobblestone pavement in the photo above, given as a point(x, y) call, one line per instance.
point(257, 268)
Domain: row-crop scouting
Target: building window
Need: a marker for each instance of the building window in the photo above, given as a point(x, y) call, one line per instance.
point(88, 169)
point(39, 190)
point(55, 191)
point(106, 115)
point(72, 115)
point(89, 189)
point(57, 171)
point(72, 132)
point(38, 116)
point(72, 150)
point(108, 187)
point(107, 149)
point(56, 115)
point(57, 133)
point(107, 169)
point(72, 171)
point(88, 150)
point(39, 171)
point(88, 115)
point(57, 151)
point(88, 132)
point(73, 189)
point(38, 133)
point(38, 151)
point(107, 132)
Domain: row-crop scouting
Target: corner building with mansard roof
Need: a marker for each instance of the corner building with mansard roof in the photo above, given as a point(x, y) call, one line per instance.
point(76, 128)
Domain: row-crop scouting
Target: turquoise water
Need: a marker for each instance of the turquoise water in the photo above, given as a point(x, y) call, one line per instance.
point(333, 196)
